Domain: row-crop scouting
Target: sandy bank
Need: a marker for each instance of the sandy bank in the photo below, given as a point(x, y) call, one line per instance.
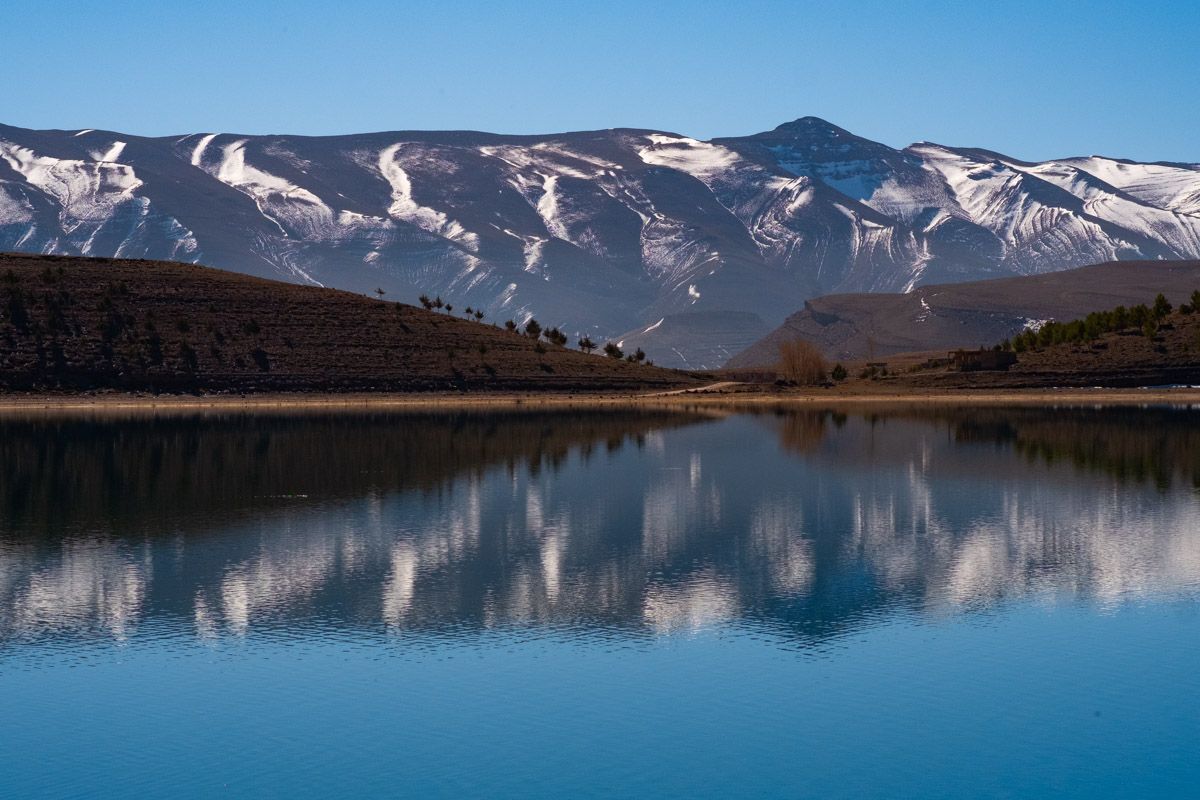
point(724, 396)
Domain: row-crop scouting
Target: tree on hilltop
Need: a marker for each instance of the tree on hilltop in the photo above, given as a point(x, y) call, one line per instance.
point(1161, 307)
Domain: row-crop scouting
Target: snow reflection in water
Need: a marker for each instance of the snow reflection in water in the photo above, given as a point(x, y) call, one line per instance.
point(804, 524)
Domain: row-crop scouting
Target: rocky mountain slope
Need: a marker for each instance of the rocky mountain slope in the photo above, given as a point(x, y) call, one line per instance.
point(77, 323)
point(980, 313)
point(601, 232)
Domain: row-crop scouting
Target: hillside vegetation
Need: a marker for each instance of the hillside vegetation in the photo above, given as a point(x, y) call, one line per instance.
point(1148, 344)
point(79, 323)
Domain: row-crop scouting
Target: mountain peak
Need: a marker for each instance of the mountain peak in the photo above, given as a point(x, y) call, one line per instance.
point(812, 126)
point(817, 135)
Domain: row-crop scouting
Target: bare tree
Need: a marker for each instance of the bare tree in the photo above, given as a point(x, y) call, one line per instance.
point(379, 291)
point(800, 362)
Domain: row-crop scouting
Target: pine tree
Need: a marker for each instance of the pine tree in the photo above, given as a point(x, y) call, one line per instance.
point(1161, 307)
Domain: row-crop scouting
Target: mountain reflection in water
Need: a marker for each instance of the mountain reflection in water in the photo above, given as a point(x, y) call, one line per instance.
point(804, 523)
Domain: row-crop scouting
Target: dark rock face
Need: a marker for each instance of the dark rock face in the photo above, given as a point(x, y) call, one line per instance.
point(599, 232)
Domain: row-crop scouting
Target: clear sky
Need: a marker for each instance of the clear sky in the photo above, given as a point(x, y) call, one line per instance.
point(1031, 79)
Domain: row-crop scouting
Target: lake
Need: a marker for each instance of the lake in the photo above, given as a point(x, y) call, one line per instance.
point(872, 602)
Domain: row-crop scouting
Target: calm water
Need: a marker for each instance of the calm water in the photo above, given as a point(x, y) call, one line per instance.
point(981, 603)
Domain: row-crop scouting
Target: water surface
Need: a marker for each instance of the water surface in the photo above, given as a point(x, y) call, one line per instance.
point(875, 603)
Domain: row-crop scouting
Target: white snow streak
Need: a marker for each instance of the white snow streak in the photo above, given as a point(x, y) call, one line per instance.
point(405, 208)
point(235, 172)
point(699, 159)
point(113, 154)
point(655, 326)
point(547, 208)
point(198, 153)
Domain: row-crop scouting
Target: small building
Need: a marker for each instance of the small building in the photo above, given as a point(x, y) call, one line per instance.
point(982, 360)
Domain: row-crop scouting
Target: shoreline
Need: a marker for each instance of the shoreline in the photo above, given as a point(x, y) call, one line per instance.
point(16, 403)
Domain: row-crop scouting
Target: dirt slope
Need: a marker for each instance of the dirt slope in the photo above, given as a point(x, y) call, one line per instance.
point(80, 323)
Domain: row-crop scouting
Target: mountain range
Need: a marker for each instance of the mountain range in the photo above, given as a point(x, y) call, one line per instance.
point(690, 249)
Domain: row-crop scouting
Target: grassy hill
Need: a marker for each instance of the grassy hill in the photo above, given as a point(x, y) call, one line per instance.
point(81, 323)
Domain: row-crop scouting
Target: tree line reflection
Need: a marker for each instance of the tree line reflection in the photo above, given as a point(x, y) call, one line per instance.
point(808, 523)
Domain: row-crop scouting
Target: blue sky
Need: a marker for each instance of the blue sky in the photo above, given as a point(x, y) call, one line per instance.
point(1032, 79)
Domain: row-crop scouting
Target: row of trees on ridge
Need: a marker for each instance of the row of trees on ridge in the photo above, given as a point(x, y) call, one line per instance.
point(534, 330)
point(1145, 318)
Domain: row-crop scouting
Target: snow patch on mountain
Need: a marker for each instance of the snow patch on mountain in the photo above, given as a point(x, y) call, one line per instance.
point(1179, 232)
point(262, 185)
point(1010, 204)
point(549, 158)
point(655, 326)
point(201, 146)
point(404, 207)
point(1171, 186)
point(14, 209)
point(547, 208)
point(85, 190)
point(293, 209)
point(701, 160)
point(112, 154)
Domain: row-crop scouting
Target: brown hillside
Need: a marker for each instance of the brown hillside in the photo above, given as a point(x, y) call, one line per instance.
point(79, 323)
point(1128, 358)
point(848, 327)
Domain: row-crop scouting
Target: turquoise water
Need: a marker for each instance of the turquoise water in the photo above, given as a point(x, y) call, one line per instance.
point(882, 603)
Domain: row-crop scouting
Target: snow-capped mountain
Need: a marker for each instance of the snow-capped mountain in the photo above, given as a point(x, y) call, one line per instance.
point(605, 232)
